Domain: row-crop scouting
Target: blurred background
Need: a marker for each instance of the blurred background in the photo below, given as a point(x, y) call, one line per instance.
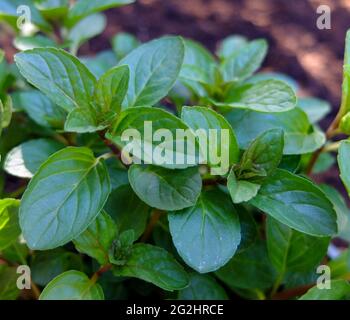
point(298, 48)
point(311, 56)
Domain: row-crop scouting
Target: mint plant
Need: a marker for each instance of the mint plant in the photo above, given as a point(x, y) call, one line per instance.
point(161, 170)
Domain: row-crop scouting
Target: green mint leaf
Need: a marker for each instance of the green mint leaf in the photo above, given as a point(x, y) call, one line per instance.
point(83, 120)
point(127, 210)
point(166, 189)
point(244, 61)
point(154, 68)
point(339, 290)
point(342, 210)
point(97, 239)
point(264, 96)
point(24, 160)
point(144, 122)
point(298, 203)
point(83, 8)
point(206, 235)
point(241, 190)
point(262, 156)
point(39, 108)
point(300, 136)
point(61, 76)
point(47, 265)
point(9, 225)
point(8, 279)
point(202, 118)
point(72, 285)
point(345, 99)
point(100, 63)
point(252, 263)
point(111, 89)
point(198, 69)
point(155, 265)
point(32, 42)
point(85, 29)
point(202, 287)
point(52, 211)
point(249, 228)
point(230, 46)
point(290, 250)
point(123, 43)
point(316, 109)
point(53, 9)
point(343, 163)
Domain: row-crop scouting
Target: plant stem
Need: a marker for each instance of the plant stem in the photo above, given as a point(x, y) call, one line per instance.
point(151, 224)
point(332, 147)
point(277, 284)
point(61, 139)
point(330, 132)
point(291, 293)
point(109, 144)
point(99, 272)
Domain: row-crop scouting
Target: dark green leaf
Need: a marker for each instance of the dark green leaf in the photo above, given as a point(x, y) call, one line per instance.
point(61, 76)
point(340, 290)
point(290, 250)
point(166, 189)
point(206, 235)
point(250, 269)
point(39, 108)
point(249, 228)
point(168, 148)
point(299, 135)
point(127, 210)
point(154, 68)
point(264, 96)
point(202, 287)
point(46, 265)
point(202, 118)
point(298, 203)
point(244, 61)
point(111, 89)
point(96, 240)
point(342, 210)
point(155, 265)
point(72, 285)
point(63, 198)
point(262, 156)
